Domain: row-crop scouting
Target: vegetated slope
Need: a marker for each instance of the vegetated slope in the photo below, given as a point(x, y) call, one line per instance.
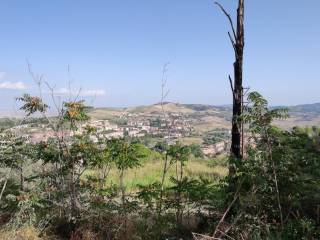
point(203, 117)
point(106, 113)
point(169, 107)
point(306, 109)
point(302, 115)
point(157, 109)
point(208, 117)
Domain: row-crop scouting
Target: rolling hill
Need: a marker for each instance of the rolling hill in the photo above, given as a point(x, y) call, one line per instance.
point(210, 116)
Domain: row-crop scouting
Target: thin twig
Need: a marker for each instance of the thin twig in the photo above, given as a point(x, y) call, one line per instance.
point(198, 236)
point(236, 195)
point(232, 89)
point(225, 234)
point(232, 42)
point(229, 17)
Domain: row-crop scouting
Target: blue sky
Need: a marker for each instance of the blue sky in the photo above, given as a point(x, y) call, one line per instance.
point(116, 49)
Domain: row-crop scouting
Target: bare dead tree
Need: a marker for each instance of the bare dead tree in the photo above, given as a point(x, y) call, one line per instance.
point(237, 41)
point(164, 95)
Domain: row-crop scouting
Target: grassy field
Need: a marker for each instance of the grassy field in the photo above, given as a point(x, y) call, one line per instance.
point(191, 140)
point(292, 121)
point(211, 123)
point(151, 172)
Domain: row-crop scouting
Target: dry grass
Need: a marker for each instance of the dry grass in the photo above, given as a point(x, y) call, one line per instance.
point(106, 113)
point(191, 140)
point(211, 123)
point(24, 233)
point(289, 123)
point(156, 108)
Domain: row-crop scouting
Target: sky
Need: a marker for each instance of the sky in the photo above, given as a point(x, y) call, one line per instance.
point(114, 50)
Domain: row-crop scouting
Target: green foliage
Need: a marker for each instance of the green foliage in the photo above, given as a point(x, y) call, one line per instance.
point(196, 150)
point(278, 178)
point(179, 153)
point(221, 160)
point(258, 115)
point(216, 136)
point(32, 104)
point(302, 228)
point(124, 154)
point(74, 112)
point(161, 147)
point(12, 150)
point(6, 123)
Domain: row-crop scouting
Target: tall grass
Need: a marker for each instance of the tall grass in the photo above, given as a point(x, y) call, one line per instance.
point(151, 172)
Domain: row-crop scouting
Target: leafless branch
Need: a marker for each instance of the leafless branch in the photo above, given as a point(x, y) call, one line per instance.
point(164, 95)
point(229, 18)
point(198, 236)
point(231, 86)
point(51, 89)
point(70, 80)
point(78, 95)
point(36, 78)
point(232, 42)
point(164, 79)
point(225, 234)
point(275, 181)
point(236, 196)
point(5, 183)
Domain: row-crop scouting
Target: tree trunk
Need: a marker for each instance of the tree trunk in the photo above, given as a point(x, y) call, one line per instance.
point(21, 178)
point(238, 89)
point(75, 205)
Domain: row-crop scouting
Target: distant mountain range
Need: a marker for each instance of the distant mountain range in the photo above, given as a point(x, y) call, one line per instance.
point(313, 108)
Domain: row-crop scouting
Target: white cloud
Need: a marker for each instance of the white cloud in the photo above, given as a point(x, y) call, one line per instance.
point(84, 93)
point(2, 74)
point(61, 91)
point(94, 93)
point(12, 85)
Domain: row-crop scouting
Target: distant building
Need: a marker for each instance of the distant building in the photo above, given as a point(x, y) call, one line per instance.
point(212, 150)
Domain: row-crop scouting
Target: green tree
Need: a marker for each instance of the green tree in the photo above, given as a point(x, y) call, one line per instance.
point(277, 178)
point(196, 150)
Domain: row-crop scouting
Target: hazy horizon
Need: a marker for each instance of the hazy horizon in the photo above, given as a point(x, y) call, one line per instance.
point(52, 112)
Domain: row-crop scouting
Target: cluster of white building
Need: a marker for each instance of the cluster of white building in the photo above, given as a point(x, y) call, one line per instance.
point(140, 126)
